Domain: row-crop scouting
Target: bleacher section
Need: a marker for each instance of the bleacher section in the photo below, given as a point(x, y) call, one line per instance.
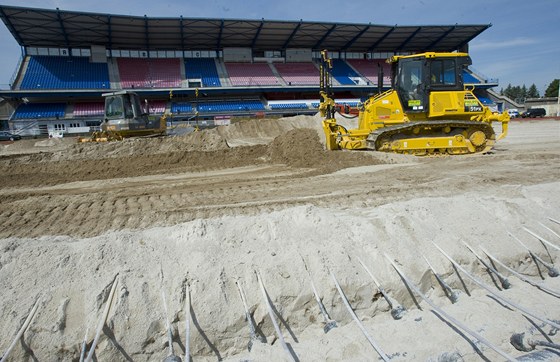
point(203, 69)
point(178, 108)
point(370, 69)
point(149, 73)
point(40, 110)
point(88, 109)
point(298, 73)
point(283, 106)
point(52, 72)
point(343, 73)
point(468, 78)
point(251, 74)
point(224, 106)
point(55, 72)
point(156, 107)
point(231, 106)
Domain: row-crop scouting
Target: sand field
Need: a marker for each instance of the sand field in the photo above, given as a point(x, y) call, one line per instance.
point(218, 208)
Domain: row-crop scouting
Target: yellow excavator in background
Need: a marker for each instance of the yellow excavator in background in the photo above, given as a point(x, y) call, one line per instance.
point(124, 117)
point(428, 111)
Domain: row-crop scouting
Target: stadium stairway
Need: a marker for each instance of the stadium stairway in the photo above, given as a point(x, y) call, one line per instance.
point(222, 73)
point(278, 76)
point(19, 78)
point(184, 82)
point(114, 76)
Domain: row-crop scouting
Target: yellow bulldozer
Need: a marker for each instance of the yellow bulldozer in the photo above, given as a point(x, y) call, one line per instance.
point(428, 110)
point(125, 117)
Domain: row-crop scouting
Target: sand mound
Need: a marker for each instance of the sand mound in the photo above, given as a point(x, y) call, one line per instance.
point(170, 214)
point(212, 254)
point(303, 148)
point(261, 131)
point(195, 152)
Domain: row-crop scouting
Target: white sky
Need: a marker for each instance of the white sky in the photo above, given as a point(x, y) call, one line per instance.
point(521, 47)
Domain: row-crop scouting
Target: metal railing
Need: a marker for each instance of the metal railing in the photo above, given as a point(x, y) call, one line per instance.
point(16, 72)
point(483, 76)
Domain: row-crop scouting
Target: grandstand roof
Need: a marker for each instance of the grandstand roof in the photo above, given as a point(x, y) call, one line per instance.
point(33, 27)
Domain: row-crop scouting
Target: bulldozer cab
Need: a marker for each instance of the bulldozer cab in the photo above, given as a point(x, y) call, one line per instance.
point(123, 105)
point(415, 77)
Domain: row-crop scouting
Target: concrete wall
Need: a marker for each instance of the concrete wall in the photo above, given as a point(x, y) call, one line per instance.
point(242, 55)
point(550, 104)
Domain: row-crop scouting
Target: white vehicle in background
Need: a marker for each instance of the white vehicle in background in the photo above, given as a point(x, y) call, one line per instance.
point(513, 113)
point(56, 134)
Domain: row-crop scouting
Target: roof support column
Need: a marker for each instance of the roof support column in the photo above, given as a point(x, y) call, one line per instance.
point(147, 35)
point(64, 33)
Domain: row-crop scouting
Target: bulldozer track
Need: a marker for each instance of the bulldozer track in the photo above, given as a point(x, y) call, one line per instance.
point(406, 129)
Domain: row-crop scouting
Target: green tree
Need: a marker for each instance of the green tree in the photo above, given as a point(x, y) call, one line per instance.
point(507, 91)
point(552, 90)
point(523, 92)
point(533, 92)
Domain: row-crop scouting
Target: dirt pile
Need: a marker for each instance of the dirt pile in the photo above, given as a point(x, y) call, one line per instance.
point(303, 148)
point(194, 152)
point(180, 221)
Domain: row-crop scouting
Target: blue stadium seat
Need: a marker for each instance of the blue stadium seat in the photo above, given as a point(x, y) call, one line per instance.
point(40, 110)
point(231, 106)
point(52, 72)
point(484, 100)
point(275, 106)
point(204, 69)
point(342, 72)
point(178, 108)
point(469, 78)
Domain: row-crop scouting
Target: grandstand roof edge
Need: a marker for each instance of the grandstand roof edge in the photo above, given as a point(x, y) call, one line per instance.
point(165, 34)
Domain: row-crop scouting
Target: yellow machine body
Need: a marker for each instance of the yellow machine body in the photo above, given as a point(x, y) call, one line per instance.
point(124, 117)
point(433, 114)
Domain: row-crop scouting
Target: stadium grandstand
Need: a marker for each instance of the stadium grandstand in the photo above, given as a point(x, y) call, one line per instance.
point(246, 68)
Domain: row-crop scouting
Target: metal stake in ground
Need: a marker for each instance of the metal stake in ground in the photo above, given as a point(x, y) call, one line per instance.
point(358, 322)
point(526, 280)
point(253, 336)
point(498, 296)
point(274, 323)
point(329, 323)
point(84, 346)
point(549, 229)
point(552, 272)
point(543, 239)
point(22, 329)
point(444, 314)
point(103, 319)
point(503, 280)
point(527, 344)
point(171, 357)
point(397, 310)
point(451, 294)
point(187, 322)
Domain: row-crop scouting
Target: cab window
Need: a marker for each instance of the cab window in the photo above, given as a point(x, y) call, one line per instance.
point(442, 72)
point(410, 74)
point(114, 107)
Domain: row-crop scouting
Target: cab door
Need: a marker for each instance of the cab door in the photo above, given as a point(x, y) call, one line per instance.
point(411, 85)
